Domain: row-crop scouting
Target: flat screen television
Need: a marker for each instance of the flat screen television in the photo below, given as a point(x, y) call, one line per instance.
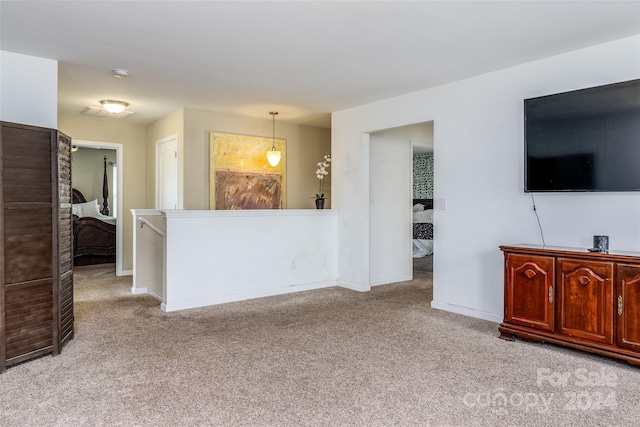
point(584, 140)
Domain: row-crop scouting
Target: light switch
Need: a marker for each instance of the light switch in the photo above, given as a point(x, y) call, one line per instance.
point(442, 204)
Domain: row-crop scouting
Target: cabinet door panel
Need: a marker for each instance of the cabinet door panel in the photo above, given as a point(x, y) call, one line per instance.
point(585, 299)
point(530, 290)
point(627, 306)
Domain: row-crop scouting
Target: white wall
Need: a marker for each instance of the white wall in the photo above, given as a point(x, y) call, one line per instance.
point(148, 252)
point(28, 90)
point(478, 135)
point(212, 257)
point(88, 173)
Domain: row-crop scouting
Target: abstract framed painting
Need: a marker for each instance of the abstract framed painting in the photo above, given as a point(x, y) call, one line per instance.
point(239, 175)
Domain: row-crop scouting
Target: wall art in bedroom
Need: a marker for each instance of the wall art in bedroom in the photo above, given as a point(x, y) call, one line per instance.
point(240, 176)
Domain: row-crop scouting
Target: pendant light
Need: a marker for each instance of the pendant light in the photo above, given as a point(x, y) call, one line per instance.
point(273, 156)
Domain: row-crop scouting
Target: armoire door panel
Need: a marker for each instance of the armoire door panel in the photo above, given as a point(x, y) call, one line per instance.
point(530, 279)
point(585, 299)
point(628, 314)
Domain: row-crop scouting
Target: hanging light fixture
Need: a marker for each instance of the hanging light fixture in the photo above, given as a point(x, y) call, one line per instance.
point(273, 156)
point(114, 107)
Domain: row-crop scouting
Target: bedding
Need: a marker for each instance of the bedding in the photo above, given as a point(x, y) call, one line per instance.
point(91, 209)
point(422, 227)
point(94, 234)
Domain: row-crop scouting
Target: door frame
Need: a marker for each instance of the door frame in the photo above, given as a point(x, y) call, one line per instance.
point(119, 148)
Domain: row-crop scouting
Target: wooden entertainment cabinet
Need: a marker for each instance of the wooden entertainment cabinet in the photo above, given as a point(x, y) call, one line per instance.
point(572, 297)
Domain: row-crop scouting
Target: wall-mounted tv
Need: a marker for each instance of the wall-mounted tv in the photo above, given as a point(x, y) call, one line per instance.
point(584, 140)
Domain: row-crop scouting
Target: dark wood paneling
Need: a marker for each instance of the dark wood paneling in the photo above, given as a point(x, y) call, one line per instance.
point(28, 242)
point(627, 306)
point(27, 173)
point(585, 299)
point(29, 318)
point(595, 303)
point(3, 341)
point(36, 236)
point(531, 287)
point(66, 308)
point(65, 239)
point(64, 170)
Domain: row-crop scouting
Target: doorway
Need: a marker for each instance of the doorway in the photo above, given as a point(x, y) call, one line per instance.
point(117, 189)
point(391, 195)
point(422, 227)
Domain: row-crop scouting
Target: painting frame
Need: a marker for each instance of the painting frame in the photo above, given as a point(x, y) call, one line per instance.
point(241, 178)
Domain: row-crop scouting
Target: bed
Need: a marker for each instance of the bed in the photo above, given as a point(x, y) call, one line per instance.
point(94, 231)
point(422, 227)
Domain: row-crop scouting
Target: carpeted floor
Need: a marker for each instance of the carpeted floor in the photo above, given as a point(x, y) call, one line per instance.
point(318, 358)
point(423, 265)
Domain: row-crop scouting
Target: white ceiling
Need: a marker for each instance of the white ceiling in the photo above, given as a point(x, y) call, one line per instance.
point(304, 59)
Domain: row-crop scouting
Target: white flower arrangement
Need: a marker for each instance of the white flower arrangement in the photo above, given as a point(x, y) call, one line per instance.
point(321, 172)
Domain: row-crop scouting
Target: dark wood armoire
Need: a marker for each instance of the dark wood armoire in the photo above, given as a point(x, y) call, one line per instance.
point(573, 297)
point(36, 259)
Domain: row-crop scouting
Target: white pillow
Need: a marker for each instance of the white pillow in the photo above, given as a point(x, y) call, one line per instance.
point(76, 209)
point(423, 216)
point(418, 207)
point(91, 208)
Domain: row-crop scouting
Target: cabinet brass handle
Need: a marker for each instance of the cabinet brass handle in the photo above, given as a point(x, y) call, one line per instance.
point(550, 294)
point(619, 305)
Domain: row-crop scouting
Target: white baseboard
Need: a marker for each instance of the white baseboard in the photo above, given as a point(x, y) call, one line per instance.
point(467, 311)
point(354, 287)
point(391, 280)
point(137, 291)
point(241, 297)
point(127, 273)
point(156, 296)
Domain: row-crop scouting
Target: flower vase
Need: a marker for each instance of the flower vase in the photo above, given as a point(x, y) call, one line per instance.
point(319, 203)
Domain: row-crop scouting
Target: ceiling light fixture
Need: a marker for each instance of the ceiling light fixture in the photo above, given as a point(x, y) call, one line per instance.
point(114, 107)
point(120, 73)
point(273, 156)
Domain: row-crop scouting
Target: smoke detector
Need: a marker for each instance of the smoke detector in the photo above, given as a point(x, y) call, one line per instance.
point(120, 73)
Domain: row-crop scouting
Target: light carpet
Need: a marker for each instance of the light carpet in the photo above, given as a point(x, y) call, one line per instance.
point(317, 358)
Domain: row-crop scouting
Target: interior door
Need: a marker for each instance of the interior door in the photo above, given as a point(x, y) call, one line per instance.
point(167, 173)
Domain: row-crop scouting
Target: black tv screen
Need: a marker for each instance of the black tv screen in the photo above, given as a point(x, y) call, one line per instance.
point(584, 140)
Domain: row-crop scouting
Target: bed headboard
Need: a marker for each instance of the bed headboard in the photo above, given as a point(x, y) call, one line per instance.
point(428, 203)
point(78, 197)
